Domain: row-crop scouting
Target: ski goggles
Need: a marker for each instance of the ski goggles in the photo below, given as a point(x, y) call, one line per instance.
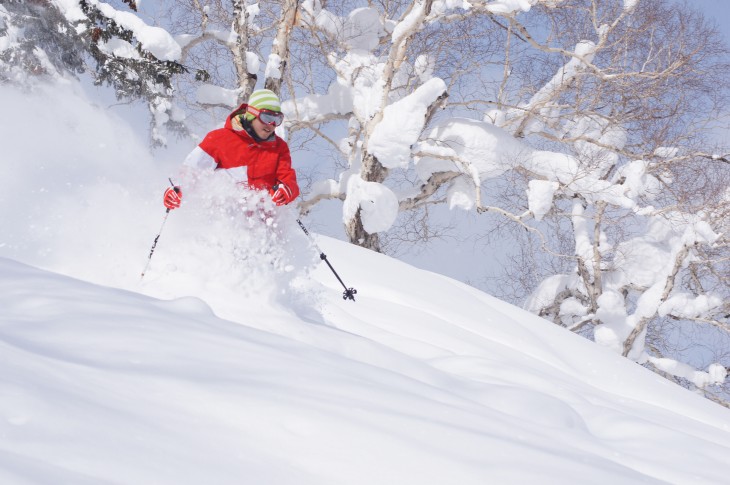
point(266, 116)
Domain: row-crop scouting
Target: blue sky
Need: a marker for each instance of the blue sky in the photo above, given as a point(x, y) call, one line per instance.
point(719, 10)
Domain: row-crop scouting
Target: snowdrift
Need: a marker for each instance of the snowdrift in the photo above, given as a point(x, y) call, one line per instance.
point(421, 380)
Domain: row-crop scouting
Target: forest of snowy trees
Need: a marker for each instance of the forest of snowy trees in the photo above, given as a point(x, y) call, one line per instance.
point(584, 133)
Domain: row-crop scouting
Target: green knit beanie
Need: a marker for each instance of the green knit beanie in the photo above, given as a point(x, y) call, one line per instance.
point(263, 99)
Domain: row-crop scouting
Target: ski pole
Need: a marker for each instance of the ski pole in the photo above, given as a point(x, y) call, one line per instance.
point(154, 243)
point(349, 293)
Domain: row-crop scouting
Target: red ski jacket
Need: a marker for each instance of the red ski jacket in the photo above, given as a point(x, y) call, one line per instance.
point(267, 162)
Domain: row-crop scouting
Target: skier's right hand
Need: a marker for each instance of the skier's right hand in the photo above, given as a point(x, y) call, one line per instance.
point(172, 197)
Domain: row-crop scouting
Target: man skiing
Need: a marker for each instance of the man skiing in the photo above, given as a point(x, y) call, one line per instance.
point(248, 141)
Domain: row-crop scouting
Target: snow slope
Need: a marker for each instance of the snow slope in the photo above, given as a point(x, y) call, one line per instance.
point(421, 380)
point(235, 362)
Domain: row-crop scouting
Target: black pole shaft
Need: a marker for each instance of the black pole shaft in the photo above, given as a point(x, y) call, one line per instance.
point(349, 293)
point(154, 243)
point(157, 238)
point(324, 258)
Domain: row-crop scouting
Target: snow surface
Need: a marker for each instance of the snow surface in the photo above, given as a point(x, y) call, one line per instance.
point(236, 360)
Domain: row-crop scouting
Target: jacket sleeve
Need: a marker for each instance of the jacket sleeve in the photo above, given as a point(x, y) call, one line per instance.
point(284, 171)
point(195, 164)
point(199, 159)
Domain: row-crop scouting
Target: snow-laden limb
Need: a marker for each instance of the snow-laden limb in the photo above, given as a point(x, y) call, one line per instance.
point(582, 229)
point(253, 63)
point(70, 9)
point(315, 16)
point(637, 181)
point(540, 197)
point(714, 375)
point(501, 8)
point(9, 32)
point(686, 305)
point(360, 30)
point(155, 40)
point(523, 119)
point(119, 48)
point(273, 67)
point(410, 22)
point(716, 156)
point(211, 95)
point(482, 151)
point(643, 260)
point(597, 141)
point(26, 59)
point(377, 204)
point(402, 124)
point(614, 328)
point(513, 7)
point(457, 143)
point(318, 108)
point(321, 190)
point(655, 261)
point(629, 5)
point(356, 92)
point(62, 39)
point(547, 291)
point(460, 194)
point(363, 29)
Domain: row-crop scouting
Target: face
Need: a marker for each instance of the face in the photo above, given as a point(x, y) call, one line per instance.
point(262, 130)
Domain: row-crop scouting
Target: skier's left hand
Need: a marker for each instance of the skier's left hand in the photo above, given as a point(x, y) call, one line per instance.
point(282, 194)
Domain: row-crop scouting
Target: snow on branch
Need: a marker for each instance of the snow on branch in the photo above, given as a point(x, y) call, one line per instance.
point(402, 124)
point(714, 375)
point(155, 40)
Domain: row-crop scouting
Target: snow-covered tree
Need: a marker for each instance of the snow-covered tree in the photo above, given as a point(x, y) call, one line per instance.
point(138, 60)
point(591, 115)
point(646, 260)
point(36, 41)
point(52, 39)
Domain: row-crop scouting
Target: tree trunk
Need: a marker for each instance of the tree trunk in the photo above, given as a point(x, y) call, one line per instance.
point(280, 46)
point(372, 171)
point(357, 234)
point(246, 80)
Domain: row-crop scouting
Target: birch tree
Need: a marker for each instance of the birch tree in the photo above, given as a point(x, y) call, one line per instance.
point(643, 198)
point(596, 112)
point(230, 44)
point(382, 63)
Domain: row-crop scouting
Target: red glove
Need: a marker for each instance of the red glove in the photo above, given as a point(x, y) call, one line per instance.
point(282, 194)
point(172, 198)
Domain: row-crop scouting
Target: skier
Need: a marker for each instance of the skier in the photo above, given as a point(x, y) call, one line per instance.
point(248, 141)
